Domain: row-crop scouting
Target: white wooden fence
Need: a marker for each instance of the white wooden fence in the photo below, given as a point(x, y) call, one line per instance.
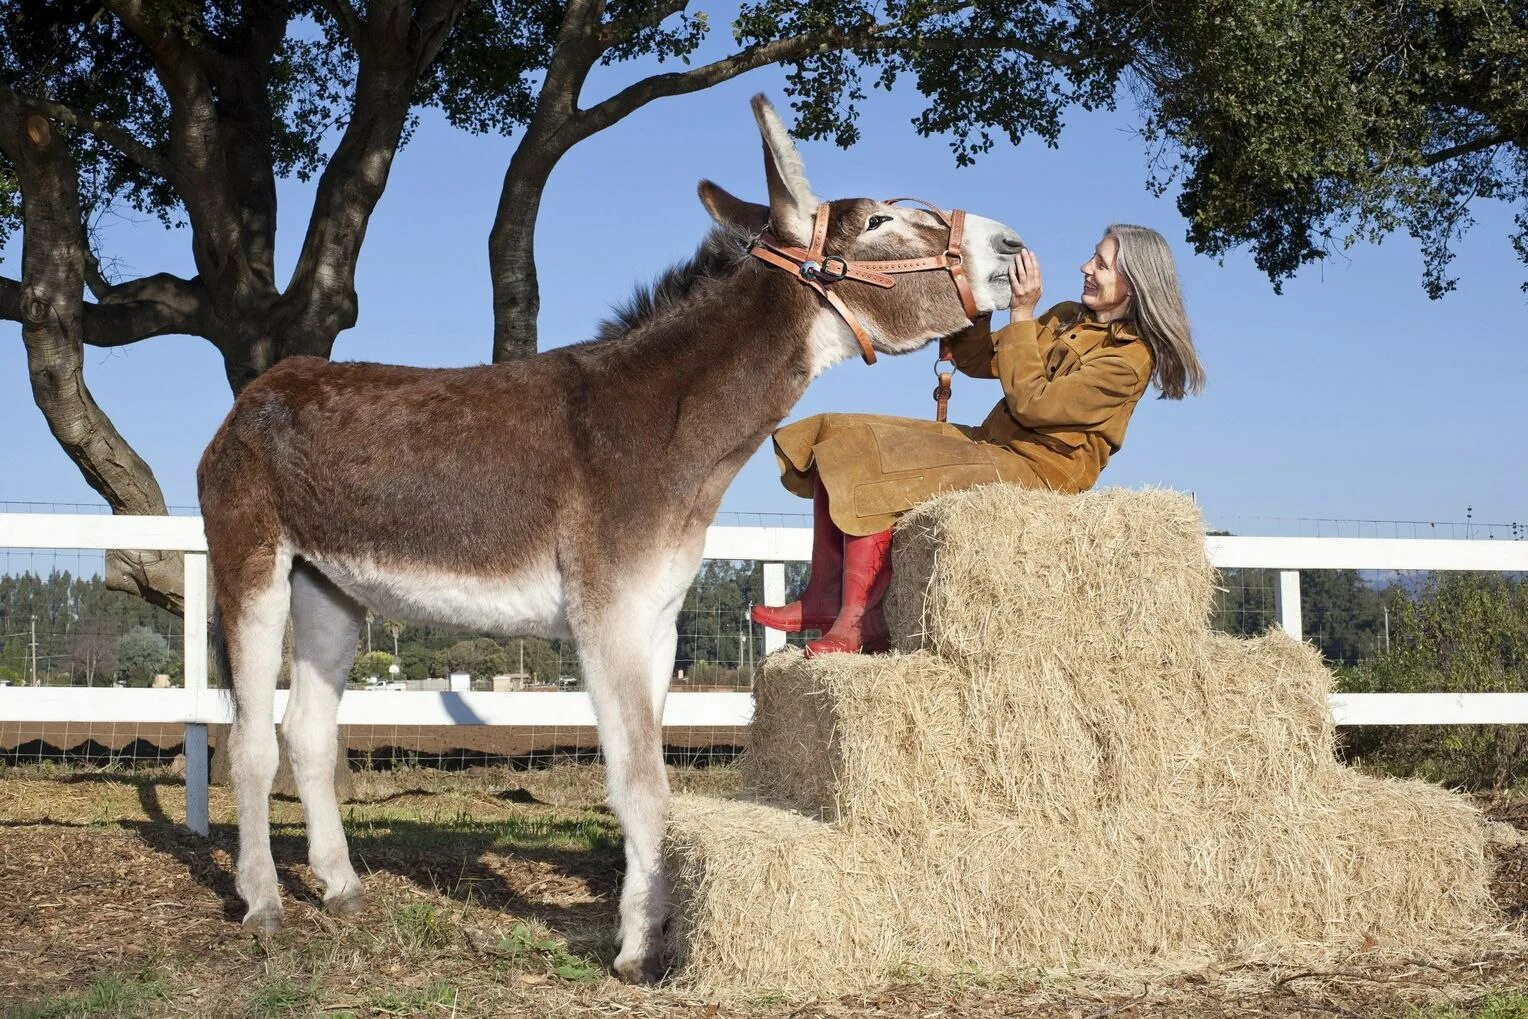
point(196, 706)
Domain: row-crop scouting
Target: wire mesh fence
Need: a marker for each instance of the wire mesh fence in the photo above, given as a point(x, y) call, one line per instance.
point(1383, 631)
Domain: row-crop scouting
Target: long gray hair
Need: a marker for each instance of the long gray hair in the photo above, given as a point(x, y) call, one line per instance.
point(1156, 308)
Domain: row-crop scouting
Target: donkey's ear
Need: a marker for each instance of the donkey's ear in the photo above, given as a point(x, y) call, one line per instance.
point(791, 202)
point(729, 210)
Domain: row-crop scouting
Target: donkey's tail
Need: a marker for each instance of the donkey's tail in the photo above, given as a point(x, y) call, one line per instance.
point(222, 671)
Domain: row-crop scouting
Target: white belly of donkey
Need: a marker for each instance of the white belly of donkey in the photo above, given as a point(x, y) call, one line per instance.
point(530, 603)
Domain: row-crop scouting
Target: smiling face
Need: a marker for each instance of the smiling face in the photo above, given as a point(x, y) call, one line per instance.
point(1105, 291)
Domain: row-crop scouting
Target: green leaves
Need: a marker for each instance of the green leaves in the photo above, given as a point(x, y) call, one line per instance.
point(1304, 128)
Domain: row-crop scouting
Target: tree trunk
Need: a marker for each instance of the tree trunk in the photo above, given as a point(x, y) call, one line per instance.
point(52, 328)
point(512, 250)
point(263, 332)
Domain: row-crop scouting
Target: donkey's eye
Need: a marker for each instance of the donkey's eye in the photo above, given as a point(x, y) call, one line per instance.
point(876, 221)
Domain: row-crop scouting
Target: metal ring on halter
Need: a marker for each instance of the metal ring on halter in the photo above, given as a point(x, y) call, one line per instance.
point(809, 270)
point(944, 371)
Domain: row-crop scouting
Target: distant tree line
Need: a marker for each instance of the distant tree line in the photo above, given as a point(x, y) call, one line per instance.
point(1440, 632)
point(85, 634)
point(1446, 632)
point(88, 635)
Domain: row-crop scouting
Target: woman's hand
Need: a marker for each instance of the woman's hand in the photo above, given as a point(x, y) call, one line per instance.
point(1024, 279)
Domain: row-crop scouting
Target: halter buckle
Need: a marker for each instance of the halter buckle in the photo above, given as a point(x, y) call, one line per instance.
point(831, 269)
point(829, 274)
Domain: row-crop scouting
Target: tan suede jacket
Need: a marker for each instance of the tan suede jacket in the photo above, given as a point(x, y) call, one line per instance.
point(1069, 387)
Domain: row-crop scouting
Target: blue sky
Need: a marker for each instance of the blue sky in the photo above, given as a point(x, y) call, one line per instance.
point(1351, 395)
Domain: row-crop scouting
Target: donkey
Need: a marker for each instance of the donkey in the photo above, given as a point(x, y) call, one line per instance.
point(566, 495)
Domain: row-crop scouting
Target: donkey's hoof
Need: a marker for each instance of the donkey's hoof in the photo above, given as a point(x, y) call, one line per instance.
point(346, 903)
point(648, 970)
point(263, 921)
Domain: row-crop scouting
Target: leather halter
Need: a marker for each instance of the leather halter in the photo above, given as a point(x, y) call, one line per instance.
point(818, 270)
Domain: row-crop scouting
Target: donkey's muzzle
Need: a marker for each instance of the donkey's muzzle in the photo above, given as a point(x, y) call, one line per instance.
point(1007, 244)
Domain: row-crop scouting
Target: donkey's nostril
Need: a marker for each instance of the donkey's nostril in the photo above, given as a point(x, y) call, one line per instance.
point(1007, 244)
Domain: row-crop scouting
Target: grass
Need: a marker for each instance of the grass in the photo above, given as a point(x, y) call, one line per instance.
point(110, 994)
point(279, 996)
point(441, 997)
point(420, 925)
point(1497, 1005)
point(490, 893)
point(528, 948)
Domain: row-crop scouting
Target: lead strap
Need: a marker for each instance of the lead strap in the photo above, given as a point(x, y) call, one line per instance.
point(943, 390)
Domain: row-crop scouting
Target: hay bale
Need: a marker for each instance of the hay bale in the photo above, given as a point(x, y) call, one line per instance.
point(992, 574)
point(904, 741)
point(1063, 765)
point(862, 739)
point(763, 897)
point(767, 898)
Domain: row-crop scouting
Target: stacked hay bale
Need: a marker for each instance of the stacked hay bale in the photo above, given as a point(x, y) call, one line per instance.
point(1061, 764)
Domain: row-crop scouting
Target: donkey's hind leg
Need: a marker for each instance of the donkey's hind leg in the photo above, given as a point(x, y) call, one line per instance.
point(252, 601)
point(325, 622)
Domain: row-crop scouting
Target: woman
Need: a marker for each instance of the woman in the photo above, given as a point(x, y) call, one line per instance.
point(1070, 377)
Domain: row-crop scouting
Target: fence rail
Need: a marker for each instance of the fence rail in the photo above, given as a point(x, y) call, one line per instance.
point(196, 706)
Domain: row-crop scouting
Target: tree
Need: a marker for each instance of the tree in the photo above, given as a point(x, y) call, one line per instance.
point(370, 663)
point(1295, 127)
point(190, 112)
point(1459, 632)
point(1342, 615)
point(141, 653)
point(94, 651)
point(481, 657)
point(1304, 127)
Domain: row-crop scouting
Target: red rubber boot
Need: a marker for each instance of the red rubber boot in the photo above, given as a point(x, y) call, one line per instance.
point(818, 606)
point(861, 623)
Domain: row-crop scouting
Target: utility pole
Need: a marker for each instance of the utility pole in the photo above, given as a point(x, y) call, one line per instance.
point(34, 650)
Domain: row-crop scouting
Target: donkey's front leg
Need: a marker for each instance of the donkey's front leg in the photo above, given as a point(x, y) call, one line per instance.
point(617, 656)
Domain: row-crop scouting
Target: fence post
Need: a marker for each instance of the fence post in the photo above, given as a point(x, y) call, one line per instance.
point(1286, 603)
point(774, 594)
point(197, 818)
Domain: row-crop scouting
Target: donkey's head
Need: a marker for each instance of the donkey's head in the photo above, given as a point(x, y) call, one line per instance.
point(920, 306)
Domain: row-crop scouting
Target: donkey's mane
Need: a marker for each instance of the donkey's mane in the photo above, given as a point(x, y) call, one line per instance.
point(722, 250)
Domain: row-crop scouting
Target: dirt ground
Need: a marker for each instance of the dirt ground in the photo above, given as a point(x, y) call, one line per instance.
point(492, 893)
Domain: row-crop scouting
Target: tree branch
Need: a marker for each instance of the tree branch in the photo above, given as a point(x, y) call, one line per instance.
point(113, 135)
point(394, 50)
point(156, 305)
point(579, 45)
point(1465, 148)
point(196, 155)
point(654, 16)
point(348, 20)
point(152, 306)
point(796, 47)
point(99, 287)
point(10, 299)
point(49, 302)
